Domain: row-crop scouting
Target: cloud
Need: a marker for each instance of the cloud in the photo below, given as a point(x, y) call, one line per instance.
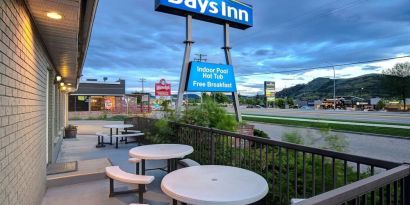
point(130, 41)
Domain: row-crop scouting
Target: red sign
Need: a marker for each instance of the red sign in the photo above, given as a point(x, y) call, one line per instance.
point(108, 104)
point(162, 88)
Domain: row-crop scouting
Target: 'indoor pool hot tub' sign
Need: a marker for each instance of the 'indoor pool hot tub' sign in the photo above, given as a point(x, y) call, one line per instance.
point(209, 77)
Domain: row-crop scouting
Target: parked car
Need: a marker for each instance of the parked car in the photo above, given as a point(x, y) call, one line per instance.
point(306, 108)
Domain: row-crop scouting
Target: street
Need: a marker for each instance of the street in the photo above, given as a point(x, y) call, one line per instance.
point(382, 117)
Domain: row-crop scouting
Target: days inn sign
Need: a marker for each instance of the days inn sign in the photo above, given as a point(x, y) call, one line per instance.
point(208, 77)
point(237, 14)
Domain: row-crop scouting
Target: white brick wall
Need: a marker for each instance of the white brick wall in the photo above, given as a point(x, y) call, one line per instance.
point(23, 81)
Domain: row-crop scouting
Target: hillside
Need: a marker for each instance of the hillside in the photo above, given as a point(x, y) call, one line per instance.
point(320, 88)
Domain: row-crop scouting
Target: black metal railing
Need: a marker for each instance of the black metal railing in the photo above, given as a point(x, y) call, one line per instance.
point(292, 171)
point(365, 186)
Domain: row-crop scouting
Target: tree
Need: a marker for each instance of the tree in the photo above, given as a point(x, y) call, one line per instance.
point(381, 105)
point(221, 98)
point(250, 101)
point(397, 81)
point(280, 102)
point(166, 105)
point(290, 102)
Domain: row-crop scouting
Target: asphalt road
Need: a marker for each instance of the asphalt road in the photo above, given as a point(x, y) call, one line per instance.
point(386, 117)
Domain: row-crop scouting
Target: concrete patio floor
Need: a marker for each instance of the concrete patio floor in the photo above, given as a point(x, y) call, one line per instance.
point(96, 192)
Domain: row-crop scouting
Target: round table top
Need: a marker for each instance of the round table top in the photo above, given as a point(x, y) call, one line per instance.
point(216, 185)
point(161, 151)
point(119, 126)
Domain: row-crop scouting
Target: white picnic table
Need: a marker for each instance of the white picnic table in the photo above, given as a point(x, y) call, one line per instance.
point(169, 152)
point(214, 184)
point(117, 127)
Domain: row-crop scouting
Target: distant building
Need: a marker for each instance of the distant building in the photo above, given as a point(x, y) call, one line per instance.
point(94, 95)
point(93, 98)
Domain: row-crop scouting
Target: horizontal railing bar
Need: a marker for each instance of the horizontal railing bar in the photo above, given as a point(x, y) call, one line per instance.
point(364, 186)
point(327, 153)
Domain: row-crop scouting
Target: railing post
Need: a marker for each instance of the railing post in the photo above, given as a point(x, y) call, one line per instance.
point(407, 190)
point(212, 148)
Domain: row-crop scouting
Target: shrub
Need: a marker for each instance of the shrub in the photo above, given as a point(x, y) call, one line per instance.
point(209, 114)
point(293, 137)
point(260, 133)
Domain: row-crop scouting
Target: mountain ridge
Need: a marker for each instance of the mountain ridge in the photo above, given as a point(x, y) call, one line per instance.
point(320, 88)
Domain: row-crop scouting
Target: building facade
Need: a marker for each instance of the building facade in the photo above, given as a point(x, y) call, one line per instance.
point(98, 99)
point(33, 105)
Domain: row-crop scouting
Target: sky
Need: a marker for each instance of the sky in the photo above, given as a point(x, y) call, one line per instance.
point(130, 40)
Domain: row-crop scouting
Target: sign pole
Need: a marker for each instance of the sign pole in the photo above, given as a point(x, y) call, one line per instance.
point(227, 49)
point(184, 72)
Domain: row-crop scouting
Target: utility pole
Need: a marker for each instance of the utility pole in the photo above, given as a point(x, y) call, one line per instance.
point(142, 80)
point(200, 57)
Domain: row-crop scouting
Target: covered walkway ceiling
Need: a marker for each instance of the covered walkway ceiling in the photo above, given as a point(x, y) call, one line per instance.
point(65, 28)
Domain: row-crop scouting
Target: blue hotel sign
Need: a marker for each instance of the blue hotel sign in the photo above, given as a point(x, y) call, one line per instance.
point(208, 77)
point(237, 14)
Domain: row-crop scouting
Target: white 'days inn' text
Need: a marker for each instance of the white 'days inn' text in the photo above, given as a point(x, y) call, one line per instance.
point(215, 8)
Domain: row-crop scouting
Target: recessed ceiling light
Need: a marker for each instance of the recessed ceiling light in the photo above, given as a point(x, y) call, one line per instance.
point(54, 15)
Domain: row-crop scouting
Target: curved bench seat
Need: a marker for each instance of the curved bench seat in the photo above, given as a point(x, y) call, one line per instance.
point(115, 173)
point(118, 174)
point(100, 136)
point(188, 163)
point(136, 134)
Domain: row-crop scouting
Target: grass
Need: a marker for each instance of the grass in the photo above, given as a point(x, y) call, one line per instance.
point(338, 127)
point(335, 120)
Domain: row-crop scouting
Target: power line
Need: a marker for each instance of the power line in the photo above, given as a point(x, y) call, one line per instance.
point(304, 18)
point(330, 66)
point(142, 80)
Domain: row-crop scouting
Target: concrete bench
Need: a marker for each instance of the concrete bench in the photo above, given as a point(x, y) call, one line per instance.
point(130, 131)
point(187, 163)
point(115, 173)
point(126, 136)
point(137, 162)
point(100, 136)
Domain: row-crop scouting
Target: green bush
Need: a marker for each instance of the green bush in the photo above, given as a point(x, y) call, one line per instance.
point(260, 133)
point(293, 137)
point(163, 133)
point(209, 114)
point(117, 118)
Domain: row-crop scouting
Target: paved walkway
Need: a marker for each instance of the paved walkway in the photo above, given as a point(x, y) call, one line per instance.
point(330, 122)
point(96, 192)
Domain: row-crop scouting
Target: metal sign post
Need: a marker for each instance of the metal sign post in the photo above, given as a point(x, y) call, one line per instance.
point(184, 72)
point(227, 49)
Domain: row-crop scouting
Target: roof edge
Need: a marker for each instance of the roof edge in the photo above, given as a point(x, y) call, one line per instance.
point(87, 11)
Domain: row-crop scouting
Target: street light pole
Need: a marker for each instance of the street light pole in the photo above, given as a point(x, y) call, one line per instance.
point(334, 88)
